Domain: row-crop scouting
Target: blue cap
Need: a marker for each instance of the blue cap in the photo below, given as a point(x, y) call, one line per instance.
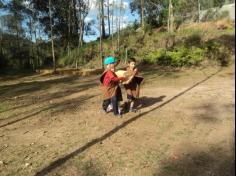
point(109, 60)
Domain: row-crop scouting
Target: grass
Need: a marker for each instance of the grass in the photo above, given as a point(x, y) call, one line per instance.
point(148, 150)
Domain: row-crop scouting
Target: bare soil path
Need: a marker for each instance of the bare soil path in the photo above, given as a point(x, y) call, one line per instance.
point(53, 125)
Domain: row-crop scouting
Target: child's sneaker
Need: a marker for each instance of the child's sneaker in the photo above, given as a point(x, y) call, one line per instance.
point(119, 115)
point(132, 110)
point(109, 108)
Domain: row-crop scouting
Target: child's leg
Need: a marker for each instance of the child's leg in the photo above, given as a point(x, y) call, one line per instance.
point(131, 101)
point(105, 104)
point(131, 104)
point(115, 104)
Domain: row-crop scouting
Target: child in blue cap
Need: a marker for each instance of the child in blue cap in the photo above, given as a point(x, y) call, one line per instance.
point(110, 86)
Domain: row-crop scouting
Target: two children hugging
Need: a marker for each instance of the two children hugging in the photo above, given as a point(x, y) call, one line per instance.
point(112, 95)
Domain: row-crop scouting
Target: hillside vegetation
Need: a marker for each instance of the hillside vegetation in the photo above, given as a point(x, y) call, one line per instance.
point(191, 45)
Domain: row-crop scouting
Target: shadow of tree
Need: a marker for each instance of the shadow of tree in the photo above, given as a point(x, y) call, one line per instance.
point(68, 90)
point(212, 162)
point(149, 101)
point(29, 87)
point(81, 166)
point(64, 106)
point(210, 113)
point(207, 113)
point(55, 164)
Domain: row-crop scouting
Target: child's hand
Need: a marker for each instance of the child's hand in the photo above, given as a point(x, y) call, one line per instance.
point(122, 79)
point(135, 71)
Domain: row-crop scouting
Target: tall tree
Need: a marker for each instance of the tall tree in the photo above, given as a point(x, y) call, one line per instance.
point(102, 19)
point(142, 14)
point(16, 9)
point(52, 40)
point(101, 32)
point(170, 17)
point(112, 24)
point(108, 17)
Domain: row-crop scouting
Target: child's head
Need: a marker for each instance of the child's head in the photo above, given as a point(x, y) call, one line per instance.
point(110, 62)
point(132, 63)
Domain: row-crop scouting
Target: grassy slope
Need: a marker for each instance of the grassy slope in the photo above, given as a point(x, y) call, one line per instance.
point(195, 41)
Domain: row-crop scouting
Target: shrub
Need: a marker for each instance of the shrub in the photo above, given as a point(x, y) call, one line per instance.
point(179, 57)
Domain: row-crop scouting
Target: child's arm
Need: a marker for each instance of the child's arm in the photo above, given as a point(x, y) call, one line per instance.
point(136, 71)
point(114, 78)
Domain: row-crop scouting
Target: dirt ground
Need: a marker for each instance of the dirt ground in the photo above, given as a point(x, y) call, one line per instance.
point(53, 125)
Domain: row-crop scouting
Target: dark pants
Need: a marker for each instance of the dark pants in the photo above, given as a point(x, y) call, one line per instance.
point(114, 102)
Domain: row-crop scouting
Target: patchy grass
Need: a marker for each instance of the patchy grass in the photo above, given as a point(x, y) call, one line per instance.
point(184, 126)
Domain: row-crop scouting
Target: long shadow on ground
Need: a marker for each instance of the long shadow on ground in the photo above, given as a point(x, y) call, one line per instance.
point(51, 96)
point(93, 142)
point(57, 107)
point(211, 162)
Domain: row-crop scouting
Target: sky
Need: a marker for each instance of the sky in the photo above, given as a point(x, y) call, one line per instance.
point(128, 18)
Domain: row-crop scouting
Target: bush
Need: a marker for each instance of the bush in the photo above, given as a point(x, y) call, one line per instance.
point(179, 57)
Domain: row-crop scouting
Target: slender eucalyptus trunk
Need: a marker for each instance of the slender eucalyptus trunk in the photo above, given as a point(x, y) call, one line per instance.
point(171, 17)
point(108, 18)
point(199, 11)
point(112, 23)
point(75, 18)
point(32, 45)
point(102, 18)
point(142, 14)
point(69, 29)
point(37, 49)
point(52, 41)
point(101, 32)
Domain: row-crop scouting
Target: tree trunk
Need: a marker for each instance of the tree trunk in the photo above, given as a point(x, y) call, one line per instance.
point(112, 21)
point(101, 32)
point(199, 11)
point(1, 43)
point(18, 43)
point(52, 41)
point(170, 17)
point(81, 26)
point(69, 30)
point(119, 20)
point(117, 29)
point(103, 23)
point(75, 18)
point(32, 45)
point(108, 17)
point(142, 14)
point(37, 49)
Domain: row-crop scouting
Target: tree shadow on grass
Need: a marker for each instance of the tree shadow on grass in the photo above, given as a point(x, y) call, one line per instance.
point(149, 101)
point(57, 163)
point(56, 95)
point(56, 108)
point(18, 89)
point(212, 162)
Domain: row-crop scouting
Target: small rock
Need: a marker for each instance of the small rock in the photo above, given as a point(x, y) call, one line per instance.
point(27, 158)
point(25, 132)
point(32, 143)
point(5, 145)
point(27, 164)
point(1, 163)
